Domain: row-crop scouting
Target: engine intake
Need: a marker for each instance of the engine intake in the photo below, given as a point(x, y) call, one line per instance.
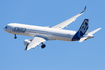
point(27, 42)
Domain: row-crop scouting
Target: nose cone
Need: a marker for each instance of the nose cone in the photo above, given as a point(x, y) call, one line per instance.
point(5, 28)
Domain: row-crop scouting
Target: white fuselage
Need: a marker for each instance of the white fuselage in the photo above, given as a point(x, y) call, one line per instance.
point(45, 32)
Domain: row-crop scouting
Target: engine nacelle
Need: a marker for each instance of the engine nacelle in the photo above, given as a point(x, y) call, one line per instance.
point(27, 42)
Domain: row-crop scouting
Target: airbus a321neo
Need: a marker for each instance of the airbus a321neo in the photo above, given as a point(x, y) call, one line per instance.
point(42, 34)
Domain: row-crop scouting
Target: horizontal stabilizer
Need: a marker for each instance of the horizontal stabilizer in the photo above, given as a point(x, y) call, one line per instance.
point(83, 38)
point(95, 31)
point(89, 35)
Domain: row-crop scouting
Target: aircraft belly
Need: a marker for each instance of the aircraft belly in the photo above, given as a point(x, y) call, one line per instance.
point(53, 37)
point(64, 38)
point(26, 34)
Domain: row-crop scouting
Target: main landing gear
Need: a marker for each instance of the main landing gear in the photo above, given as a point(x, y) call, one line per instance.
point(15, 36)
point(43, 46)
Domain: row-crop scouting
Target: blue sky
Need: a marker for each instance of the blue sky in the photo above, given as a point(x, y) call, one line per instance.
point(58, 55)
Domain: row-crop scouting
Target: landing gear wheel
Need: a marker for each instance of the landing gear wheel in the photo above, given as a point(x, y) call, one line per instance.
point(43, 46)
point(15, 36)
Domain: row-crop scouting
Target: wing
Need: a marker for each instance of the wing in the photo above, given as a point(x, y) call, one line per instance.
point(70, 20)
point(36, 41)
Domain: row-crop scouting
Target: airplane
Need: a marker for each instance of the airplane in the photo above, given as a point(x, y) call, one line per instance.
point(41, 34)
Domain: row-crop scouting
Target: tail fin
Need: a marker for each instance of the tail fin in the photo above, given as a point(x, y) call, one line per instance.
point(82, 30)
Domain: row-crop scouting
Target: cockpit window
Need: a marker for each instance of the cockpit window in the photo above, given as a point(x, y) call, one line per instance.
point(6, 27)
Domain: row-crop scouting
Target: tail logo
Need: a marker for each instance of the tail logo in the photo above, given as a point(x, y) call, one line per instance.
point(82, 30)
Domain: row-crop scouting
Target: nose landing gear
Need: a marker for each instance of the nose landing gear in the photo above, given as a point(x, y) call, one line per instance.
point(15, 36)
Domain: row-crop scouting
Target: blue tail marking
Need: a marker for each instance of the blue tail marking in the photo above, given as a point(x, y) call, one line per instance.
point(82, 30)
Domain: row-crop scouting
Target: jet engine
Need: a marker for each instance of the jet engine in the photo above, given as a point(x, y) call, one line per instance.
point(27, 42)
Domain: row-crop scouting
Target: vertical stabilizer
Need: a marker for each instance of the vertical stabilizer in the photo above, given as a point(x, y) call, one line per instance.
point(82, 30)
